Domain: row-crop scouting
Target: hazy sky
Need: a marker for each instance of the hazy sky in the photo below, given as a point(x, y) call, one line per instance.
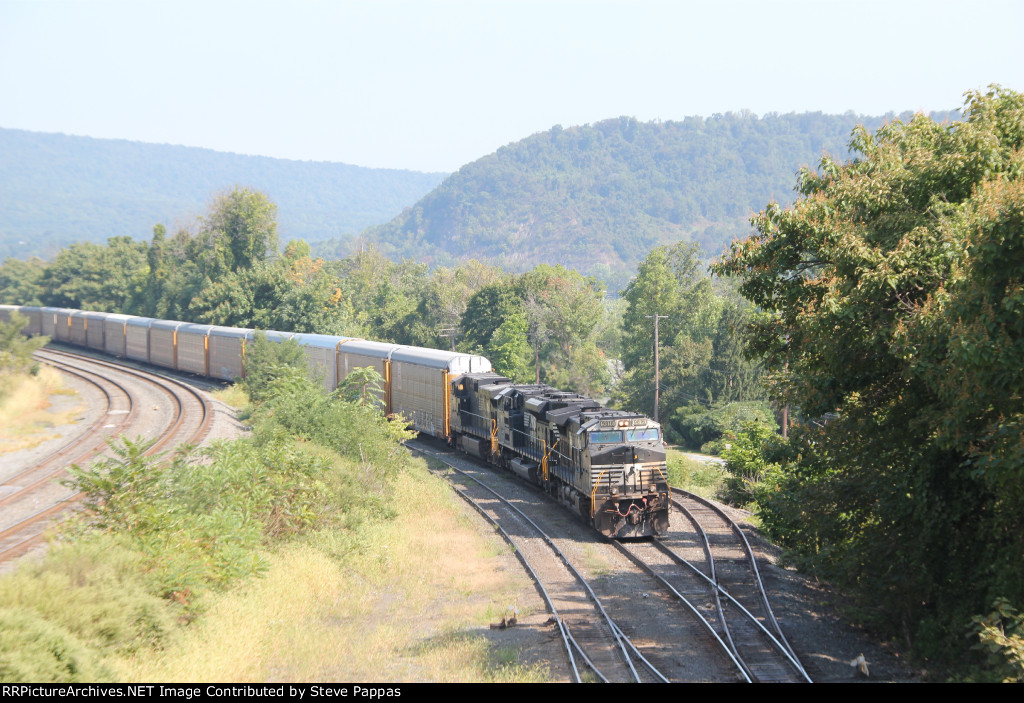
point(431, 85)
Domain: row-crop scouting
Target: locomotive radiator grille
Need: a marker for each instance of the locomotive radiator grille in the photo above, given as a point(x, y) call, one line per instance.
point(628, 478)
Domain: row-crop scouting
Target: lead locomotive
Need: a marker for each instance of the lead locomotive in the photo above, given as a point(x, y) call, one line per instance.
point(607, 465)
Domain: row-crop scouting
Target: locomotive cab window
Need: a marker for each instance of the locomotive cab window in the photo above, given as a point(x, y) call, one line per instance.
point(642, 435)
point(606, 437)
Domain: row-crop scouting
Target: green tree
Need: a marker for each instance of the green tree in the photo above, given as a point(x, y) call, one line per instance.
point(93, 277)
point(508, 348)
point(486, 310)
point(564, 312)
point(671, 281)
point(892, 293)
point(21, 281)
point(243, 226)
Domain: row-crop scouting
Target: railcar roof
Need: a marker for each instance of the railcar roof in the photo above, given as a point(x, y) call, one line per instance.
point(141, 321)
point(218, 331)
point(326, 341)
point(458, 362)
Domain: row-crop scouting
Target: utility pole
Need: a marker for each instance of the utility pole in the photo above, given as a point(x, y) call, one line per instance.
point(449, 332)
point(657, 365)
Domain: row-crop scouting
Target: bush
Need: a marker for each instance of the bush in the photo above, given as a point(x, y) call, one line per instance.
point(202, 516)
point(97, 590)
point(746, 461)
point(699, 427)
point(341, 421)
point(1001, 640)
point(33, 650)
point(266, 361)
point(16, 350)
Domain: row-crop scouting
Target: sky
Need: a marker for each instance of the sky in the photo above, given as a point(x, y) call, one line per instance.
point(431, 85)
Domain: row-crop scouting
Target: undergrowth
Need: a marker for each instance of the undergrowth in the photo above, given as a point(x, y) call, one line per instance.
point(161, 534)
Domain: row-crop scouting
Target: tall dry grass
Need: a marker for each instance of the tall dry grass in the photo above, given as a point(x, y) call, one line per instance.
point(26, 418)
point(404, 599)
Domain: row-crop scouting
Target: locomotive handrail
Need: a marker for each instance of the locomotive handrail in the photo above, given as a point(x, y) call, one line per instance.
point(547, 453)
point(593, 493)
point(480, 427)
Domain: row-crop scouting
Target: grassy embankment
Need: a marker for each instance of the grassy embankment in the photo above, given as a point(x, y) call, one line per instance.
point(317, 549)
point(704, 478)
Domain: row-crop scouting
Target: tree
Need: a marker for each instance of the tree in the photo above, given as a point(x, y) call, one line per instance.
point(564, 312)
point(486, 310)
point(243, 226)
point(93, 277)
point(892, 299)
point(672, 282)
point(508, 348)
point(21, 281)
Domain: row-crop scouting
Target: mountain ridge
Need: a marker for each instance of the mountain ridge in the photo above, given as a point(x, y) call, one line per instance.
point(61, 188)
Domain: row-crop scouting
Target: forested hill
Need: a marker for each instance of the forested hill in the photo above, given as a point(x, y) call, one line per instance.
point(58, 189)
point(598, 197)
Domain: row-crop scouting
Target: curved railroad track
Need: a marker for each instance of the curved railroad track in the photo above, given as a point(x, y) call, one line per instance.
point(33, 497)
point(659, 621)
point(730, 567)
point(592, 640)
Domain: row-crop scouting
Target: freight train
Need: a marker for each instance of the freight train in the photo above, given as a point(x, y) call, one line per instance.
point(606, 465)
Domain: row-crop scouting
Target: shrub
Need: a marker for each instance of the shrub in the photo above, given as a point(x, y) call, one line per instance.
point(95, 589)
point(699, 427)
point(1001, 639)
point(33, 650)
point(16, 350)
point(266, 361)
point(746, 461)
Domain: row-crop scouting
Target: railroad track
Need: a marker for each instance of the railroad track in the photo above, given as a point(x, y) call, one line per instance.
point(729, 569)
point(671, 634)
point(33, 499)
point(720, 588)
point(592, 640)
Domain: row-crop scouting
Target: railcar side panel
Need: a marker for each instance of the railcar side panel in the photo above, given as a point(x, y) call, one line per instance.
point(77, 328)
point(163, 343)
point(420, 381)
point(48, 318)
point(227, 352)
point(194, 349)
point(115, 334)
point(321, 352)
point(34, 314)
point(137, 338)
point(94, 331)
point(360, 354)
point(62, 331)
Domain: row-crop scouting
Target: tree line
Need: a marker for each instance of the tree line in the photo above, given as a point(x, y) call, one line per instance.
point(550, 324)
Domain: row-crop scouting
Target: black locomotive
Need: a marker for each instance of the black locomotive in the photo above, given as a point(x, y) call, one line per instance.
point(606, 465)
